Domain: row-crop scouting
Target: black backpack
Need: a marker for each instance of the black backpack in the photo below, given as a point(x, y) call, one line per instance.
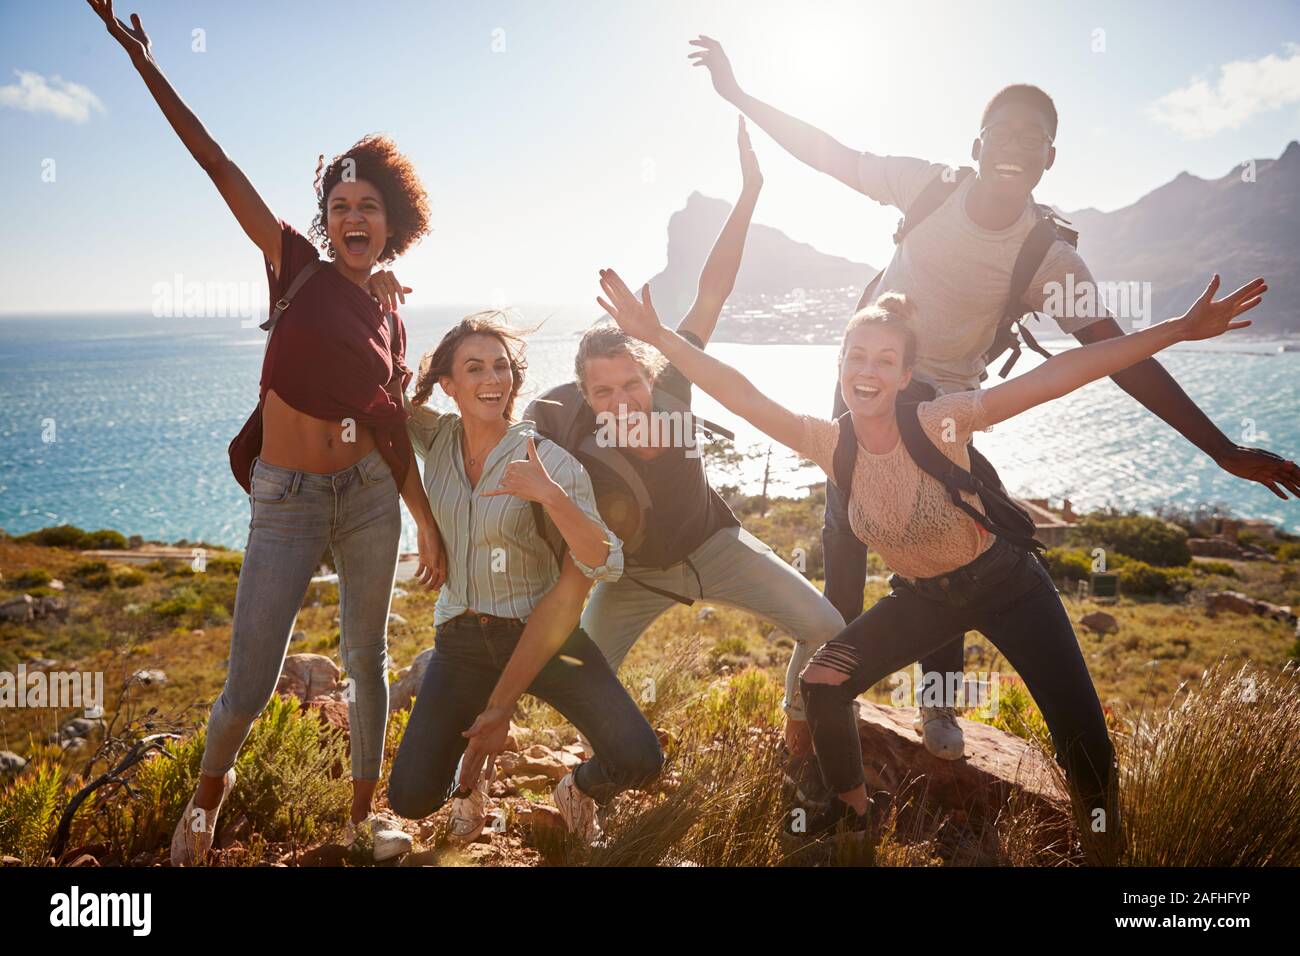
point(1002, 516)
point(563, 415)
point(1011, 329)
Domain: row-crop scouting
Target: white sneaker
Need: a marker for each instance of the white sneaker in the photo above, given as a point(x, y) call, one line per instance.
point(192, 838)
point(580, 812)
point(387, 839)
point(468, 815)
point(941, 732)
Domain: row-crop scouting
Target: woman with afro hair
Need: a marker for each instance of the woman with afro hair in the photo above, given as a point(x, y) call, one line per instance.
point(325, 455)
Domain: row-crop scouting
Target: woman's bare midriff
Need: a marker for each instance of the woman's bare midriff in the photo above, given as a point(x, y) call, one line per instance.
point(291, 439)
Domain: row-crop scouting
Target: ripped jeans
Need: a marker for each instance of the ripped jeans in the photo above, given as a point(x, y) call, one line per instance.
point(1007, 595)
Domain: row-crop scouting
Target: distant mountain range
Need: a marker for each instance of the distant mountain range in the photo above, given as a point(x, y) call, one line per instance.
point(1245, 223)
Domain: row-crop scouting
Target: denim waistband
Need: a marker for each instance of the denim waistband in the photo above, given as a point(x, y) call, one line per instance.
point(370, 466)
point(966, 584)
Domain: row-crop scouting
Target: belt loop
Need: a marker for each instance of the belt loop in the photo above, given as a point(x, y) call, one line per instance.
point(295, 483)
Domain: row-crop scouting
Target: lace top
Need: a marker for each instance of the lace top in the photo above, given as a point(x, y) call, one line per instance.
point(898, 509)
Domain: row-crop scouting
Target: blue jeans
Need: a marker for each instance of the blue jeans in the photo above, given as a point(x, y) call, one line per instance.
point(1007, 595)
point(731, 567)
point(296, 515)
point(470, 651)
point(845, 559)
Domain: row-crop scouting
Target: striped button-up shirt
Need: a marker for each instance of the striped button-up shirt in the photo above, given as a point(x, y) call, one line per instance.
point(497, 563)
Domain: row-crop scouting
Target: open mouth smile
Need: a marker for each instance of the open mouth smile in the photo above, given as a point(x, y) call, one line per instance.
point(1008, 170)
point(492, 399)
point(865, 391)
point(357, 241)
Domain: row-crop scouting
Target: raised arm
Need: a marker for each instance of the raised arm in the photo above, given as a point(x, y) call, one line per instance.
point(804, 142)
point(726, 384)
point(255, 218)
point(718, 277)
point(1074, 368)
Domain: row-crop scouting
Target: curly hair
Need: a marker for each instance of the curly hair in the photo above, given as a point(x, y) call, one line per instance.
point(607, 340)
point(375, 158)
point(491, 322)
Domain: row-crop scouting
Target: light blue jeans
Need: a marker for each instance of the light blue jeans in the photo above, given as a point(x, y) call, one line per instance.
point(296, 515)
point(734, 568)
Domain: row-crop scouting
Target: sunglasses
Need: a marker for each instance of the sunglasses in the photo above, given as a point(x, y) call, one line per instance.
point(1000, 135)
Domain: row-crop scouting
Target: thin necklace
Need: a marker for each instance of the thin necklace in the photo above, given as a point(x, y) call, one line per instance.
point(474, 460)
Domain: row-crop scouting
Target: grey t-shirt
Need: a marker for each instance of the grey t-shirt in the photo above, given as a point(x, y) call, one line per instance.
point(957, 273)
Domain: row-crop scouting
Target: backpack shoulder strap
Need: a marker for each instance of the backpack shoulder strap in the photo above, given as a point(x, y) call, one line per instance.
point(1033, 250)
point(546, 529)
point(554, 542)
point(934, 195)
point(845, 456)
point(305, 273)
point(939, 466)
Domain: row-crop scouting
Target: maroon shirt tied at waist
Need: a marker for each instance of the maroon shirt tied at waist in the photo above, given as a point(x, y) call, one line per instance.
point(330, 357)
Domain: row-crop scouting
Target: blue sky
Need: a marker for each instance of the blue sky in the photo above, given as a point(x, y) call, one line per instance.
point(569, 145)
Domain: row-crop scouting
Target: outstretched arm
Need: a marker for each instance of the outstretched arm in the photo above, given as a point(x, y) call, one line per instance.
point(726, 384)
point(255, 218)
point(1152, 385)
point(1075, 368)
point(801, 140)
point(718, 277)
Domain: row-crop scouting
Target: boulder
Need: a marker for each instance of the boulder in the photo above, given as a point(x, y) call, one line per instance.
point(537, 784)
point(80, 727)
point(1238, 603)
point(10, 762)
point(408, 682)
point(327, 854)
point(537, 760)
point(996, 765)
point(539, 816)
point(1100, 622)
point(21, 609)
point(308, 676)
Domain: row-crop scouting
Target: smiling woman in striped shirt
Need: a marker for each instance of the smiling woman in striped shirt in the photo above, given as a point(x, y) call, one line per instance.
point(507, 616)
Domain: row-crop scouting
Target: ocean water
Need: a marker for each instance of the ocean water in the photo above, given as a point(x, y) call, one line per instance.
point(123, 422)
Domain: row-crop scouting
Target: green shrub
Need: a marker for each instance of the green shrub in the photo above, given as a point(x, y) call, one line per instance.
point(93, 575)
point(31, 578)
point(29, 809)
point(59, 536)
point(292, 775)
point(1141, 579)
point(179, 602)
point(1221, 568)
point(1138, 536)
point(105, 539)
point(225, 565)
point(130, 578)
point(70, 536)
point(1288, 551)
point(1065, 564)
